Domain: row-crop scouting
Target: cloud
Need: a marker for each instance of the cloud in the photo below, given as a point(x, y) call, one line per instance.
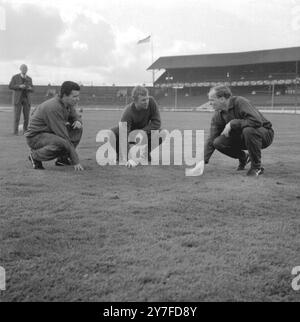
point(97, 40)
point(80, 45)
point(87, 42)
point(184, 47)
point(127, 51)
point(31, 33)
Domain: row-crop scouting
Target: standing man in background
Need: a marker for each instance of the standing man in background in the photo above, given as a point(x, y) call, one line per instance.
point(22, 87)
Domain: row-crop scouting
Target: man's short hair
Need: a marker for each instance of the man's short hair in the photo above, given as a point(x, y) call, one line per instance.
point(222, 91)
point(139, 90)
point(23, 66)
point(67, 87)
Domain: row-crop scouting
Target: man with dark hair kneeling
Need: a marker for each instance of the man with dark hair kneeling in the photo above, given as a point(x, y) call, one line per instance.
point(236, 126)
point(55, 129)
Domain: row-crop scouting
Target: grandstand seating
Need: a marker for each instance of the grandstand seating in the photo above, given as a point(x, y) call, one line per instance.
point(250, 74)
point(186, 97)
point(226, 75)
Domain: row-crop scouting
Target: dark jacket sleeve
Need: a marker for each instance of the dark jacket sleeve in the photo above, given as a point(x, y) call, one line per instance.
point(13, 84)
point(248, 115)
point(126, 117)
point(216, 128)
point(155, 121)
point(29, 83)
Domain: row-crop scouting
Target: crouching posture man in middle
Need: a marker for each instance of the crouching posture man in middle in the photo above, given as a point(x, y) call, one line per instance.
point(55, 129)
point(141, 114)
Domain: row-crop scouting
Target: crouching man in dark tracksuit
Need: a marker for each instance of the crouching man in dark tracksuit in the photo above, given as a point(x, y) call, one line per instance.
point(55, 129)
point(142, 114)
point(237, 126)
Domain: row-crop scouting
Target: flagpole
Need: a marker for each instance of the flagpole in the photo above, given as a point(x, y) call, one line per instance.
point(149, 39)
point(152, 60)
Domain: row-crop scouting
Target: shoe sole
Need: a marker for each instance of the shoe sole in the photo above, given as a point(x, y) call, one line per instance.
point(257, 174)
point(260, 172)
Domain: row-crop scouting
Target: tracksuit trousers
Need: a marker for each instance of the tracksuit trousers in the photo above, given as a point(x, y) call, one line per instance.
point(48, 146)
point(116, 132)
point(251, 139)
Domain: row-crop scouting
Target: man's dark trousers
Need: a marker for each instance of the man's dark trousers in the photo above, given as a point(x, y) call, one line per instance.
point(251, 139)
point(23, 103)
point(48, 146)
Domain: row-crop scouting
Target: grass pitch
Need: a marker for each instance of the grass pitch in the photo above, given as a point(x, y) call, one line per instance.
point(150, 233)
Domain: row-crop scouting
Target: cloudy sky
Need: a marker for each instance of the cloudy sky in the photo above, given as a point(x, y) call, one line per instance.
point(95, 41)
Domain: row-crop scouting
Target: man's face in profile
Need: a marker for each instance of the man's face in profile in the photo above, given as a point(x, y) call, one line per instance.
point(218, 103)
point(72, 99)
point(142, 102)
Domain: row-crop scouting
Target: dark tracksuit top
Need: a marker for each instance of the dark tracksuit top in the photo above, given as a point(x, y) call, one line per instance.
point(51, 117)
point(146, 120)
point(241, 113)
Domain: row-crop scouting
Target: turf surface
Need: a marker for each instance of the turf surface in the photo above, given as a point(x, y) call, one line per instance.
point(150, 233)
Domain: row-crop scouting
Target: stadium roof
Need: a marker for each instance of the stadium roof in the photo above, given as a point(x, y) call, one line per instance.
point(228, 59)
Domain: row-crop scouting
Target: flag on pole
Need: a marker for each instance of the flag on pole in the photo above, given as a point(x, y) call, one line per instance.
point(142, 41)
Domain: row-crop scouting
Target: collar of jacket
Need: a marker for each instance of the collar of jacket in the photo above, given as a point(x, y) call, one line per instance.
point(62, 103)
point(231, 103)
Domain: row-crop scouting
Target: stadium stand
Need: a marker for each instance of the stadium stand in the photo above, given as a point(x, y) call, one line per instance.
point(269, 77)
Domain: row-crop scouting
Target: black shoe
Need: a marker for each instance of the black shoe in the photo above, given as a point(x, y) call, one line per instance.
point(243, 162)
point(62, 162)
point(255, 172)
point(37, 165)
